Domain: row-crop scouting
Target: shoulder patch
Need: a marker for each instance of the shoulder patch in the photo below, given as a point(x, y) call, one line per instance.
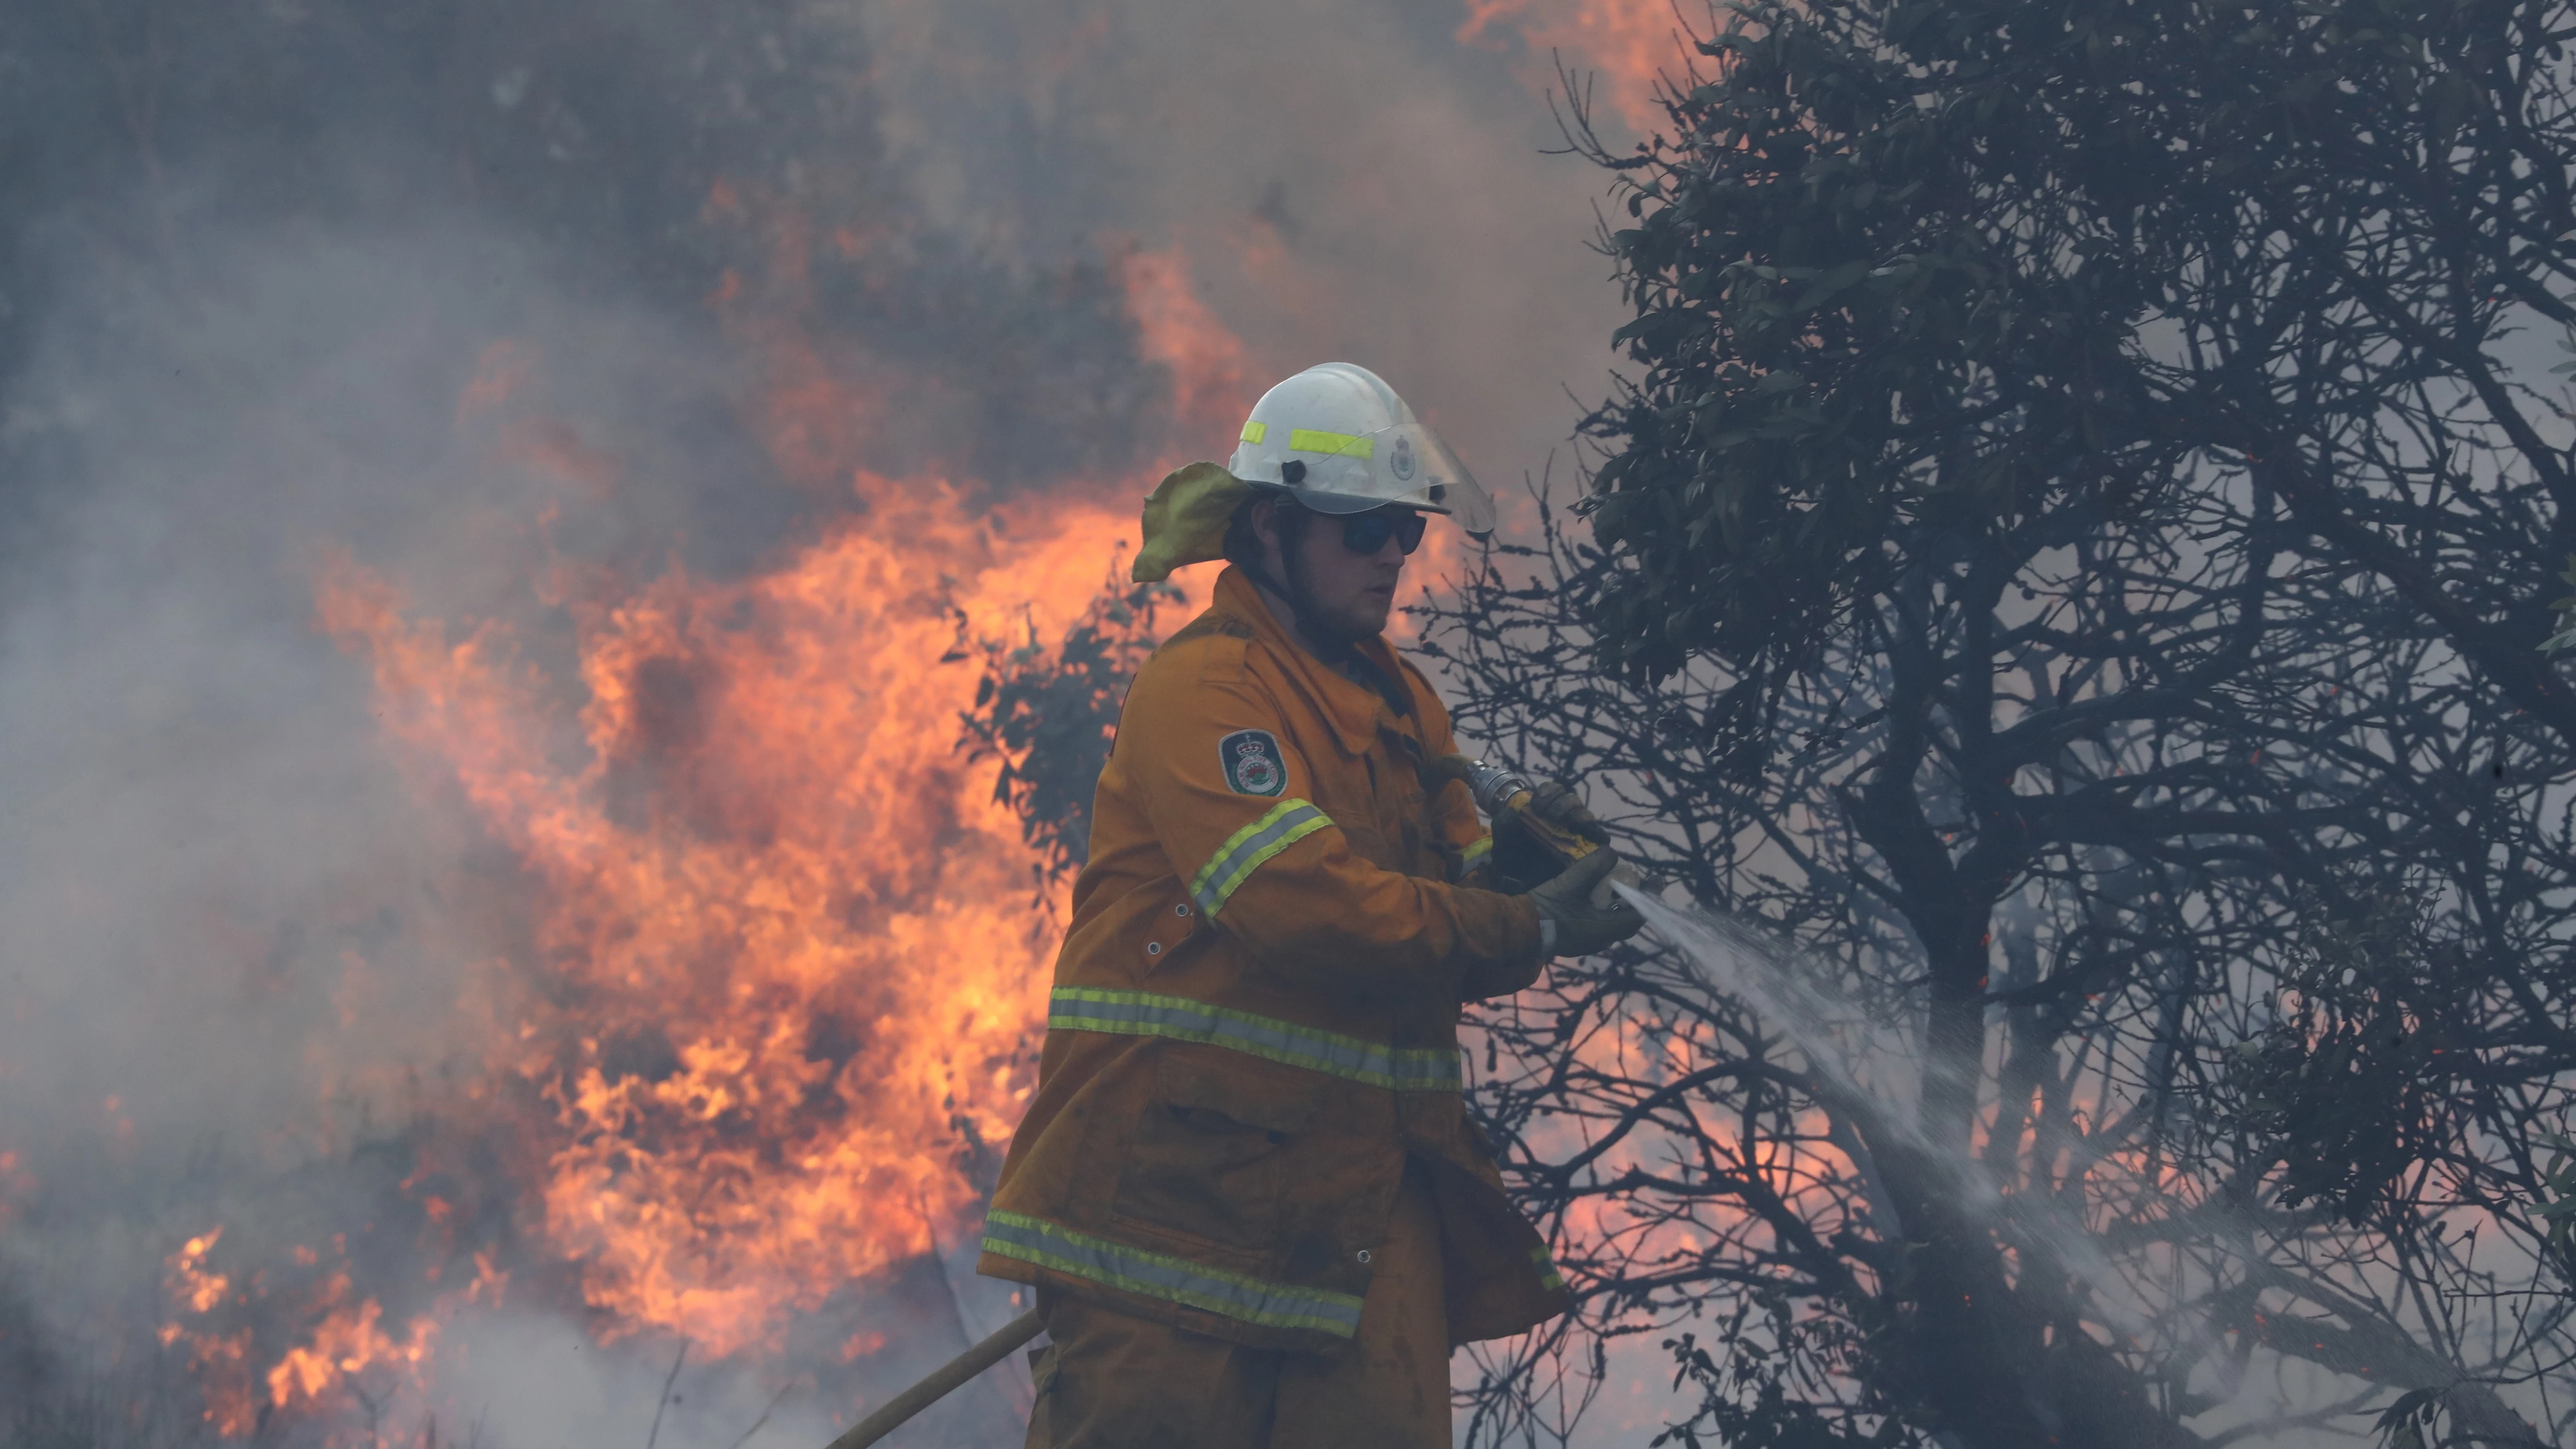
point(1253, 763)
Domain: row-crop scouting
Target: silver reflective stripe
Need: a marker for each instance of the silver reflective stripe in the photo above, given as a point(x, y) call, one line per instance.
point(1548, 1277)
point(1175, 1280)
point(1475, 855)
point(1287, 823)
point(1142, 1013)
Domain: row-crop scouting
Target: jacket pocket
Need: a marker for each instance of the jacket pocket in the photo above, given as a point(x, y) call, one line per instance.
point(1209, 1158)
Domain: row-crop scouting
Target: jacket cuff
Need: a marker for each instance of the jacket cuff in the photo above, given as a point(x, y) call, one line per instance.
point(1524, 954)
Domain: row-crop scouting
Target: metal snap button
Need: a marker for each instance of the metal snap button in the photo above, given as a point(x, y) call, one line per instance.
point(1181, 910)
point(1364, 1255)
point(1153, 948)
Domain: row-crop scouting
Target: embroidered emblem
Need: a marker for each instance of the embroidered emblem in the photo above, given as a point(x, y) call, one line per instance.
point(1253, 765)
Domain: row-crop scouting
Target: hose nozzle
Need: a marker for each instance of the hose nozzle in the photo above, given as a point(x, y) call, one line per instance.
point(1503, 793)
point(1496, 788)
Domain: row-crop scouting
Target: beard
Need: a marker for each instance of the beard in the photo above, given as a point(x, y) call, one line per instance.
point(1354, 621)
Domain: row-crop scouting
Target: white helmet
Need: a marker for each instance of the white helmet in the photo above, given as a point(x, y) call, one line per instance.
point(1338, 439)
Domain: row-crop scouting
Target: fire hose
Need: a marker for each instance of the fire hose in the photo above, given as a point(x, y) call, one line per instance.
point(940, 1384)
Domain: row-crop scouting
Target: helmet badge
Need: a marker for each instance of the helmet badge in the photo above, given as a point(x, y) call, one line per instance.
point(1400, 462)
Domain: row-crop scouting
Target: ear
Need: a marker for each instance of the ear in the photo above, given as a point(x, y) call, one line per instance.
point(1265, 520)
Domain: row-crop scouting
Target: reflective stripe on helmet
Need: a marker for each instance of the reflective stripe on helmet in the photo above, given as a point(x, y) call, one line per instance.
point(1235, 861)
point(1173, 1280)
point(1144, 1013)
point(1255, 431)
point(1331, 445)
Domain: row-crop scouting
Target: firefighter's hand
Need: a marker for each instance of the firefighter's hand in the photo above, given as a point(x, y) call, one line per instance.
point(1579, 914)
point(1558, 803)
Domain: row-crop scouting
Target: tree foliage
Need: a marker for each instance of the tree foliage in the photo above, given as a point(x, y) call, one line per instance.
point(2071, 569)
point(1048, 713)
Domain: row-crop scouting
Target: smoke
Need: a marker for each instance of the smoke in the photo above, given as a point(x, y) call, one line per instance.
point(240, 938)
point(1347, 180)
point(530, 305)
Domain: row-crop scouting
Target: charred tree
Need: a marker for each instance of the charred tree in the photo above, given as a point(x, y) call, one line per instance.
point(2073, 565)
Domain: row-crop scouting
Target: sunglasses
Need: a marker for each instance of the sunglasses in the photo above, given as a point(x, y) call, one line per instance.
point(1366, 533)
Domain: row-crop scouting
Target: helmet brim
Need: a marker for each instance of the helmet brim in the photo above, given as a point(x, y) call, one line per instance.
point(1403, 466)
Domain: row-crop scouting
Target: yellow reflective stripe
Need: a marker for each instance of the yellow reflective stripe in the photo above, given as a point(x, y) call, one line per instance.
point(1173, 1280)
point(1548, 1276)
point(1255, 432)
point(1475, 855)
point(1144, 1013)
point(1338, 445)
point(1244, 852)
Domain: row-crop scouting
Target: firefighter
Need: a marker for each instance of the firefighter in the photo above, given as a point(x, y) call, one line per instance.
point(1247, 1194)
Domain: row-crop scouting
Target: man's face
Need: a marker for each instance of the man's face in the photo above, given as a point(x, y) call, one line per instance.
point(1348, 593)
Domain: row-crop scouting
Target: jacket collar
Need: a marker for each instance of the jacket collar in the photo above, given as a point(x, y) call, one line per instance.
point(1356, 711)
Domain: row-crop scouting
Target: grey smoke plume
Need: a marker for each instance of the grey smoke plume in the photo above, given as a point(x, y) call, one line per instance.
point(1347, 178)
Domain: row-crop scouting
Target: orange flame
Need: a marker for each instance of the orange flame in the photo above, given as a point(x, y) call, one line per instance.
point(15, 1183)
point(1212, 389)
point(798, 972)
point(314, 1378)
point(219, 1361)
point(1636, 41)
point(784, 982)
point(188, 1281)
point(346, 1344)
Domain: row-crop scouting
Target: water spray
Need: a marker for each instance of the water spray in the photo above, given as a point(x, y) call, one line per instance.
point(1758, 969)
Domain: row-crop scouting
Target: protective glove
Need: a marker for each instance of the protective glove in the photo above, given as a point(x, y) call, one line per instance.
point(1521, 858)
point(1578, 914)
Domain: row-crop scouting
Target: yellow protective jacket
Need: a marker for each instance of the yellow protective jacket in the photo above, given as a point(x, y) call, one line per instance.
point(1254, 1020)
